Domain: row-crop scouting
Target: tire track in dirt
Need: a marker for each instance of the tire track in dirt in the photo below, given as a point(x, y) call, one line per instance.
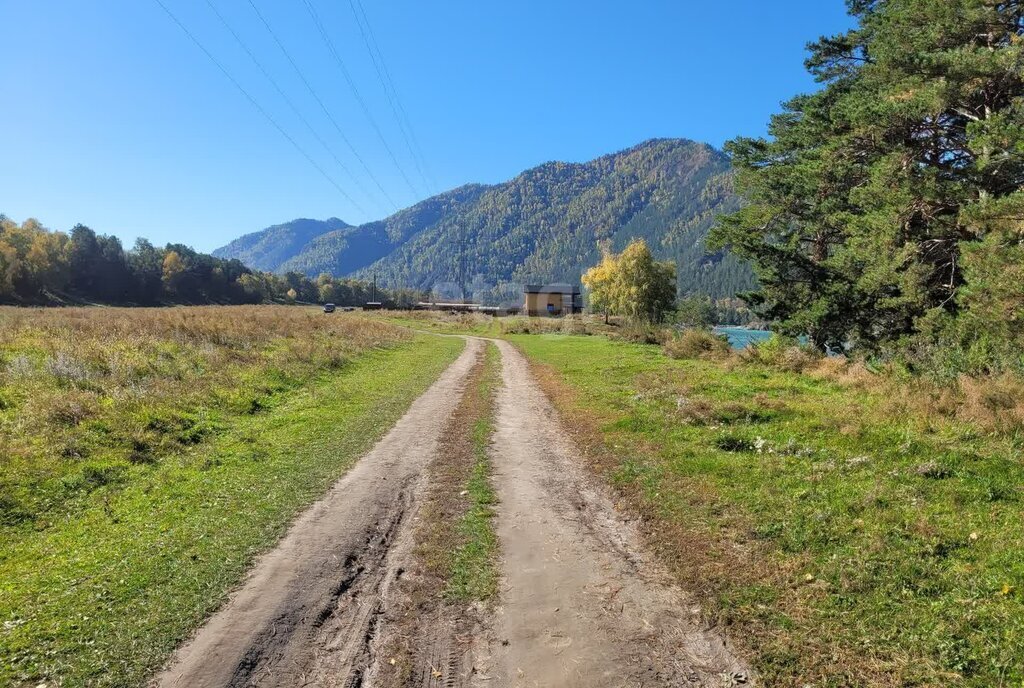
point(581, 604)
point(428, 637)
point(307, 613)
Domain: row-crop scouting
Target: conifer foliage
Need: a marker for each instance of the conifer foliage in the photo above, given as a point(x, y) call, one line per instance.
point(886, 209)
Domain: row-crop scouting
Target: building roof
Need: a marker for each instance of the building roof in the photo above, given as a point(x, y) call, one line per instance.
point(551, 289)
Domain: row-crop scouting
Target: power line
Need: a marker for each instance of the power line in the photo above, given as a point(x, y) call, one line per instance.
point(398, 101)
point(258, 106)
point(355, 91)
point(323, 107)
point(284, 96)
point(404, 126)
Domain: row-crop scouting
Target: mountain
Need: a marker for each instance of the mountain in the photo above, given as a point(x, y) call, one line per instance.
point(347, 250)
point(269, 248)
point(545, 225)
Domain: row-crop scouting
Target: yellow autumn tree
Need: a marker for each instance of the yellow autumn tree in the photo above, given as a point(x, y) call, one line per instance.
point(172, 268)
point(599, 282)
point(631, 284)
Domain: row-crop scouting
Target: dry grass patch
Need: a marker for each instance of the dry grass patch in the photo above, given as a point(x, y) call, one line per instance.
point(693, 343)
point(84, 391)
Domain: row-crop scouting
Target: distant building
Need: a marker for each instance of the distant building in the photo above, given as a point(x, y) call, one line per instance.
point(552, 300)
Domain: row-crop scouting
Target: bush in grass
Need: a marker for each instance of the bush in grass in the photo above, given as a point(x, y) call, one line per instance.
point(71, 409)
point(67, 369)
point(695, 343)
point(574, 324)
point(570, 324)
point(516, 326)
point(783, 352)
point(992, 402)
point(20, 367)
point(639, 332)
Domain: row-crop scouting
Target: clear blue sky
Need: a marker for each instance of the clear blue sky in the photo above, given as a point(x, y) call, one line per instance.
point(112, 117)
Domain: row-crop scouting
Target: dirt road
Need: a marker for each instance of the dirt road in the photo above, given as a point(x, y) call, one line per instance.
point(580, 603)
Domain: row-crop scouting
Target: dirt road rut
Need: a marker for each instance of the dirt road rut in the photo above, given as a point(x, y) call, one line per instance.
point(307, 613)
point(580, 603)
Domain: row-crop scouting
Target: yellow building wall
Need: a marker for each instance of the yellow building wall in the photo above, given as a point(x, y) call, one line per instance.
point(537, 304)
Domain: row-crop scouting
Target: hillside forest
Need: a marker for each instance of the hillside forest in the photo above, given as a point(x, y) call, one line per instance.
point(545, 225)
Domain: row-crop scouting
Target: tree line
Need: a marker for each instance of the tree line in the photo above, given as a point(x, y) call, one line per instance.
point(886, 211)
point(43, 267)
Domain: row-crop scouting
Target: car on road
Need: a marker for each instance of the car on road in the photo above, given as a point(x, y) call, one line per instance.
point(329, 308)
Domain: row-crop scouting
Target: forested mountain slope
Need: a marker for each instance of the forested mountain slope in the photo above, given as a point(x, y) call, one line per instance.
point(545, 225)
point(346, 250)
point(269, 248)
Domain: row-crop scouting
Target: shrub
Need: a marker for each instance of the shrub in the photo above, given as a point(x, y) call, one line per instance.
point(570, 324)
point(993, 402)
point(95, 476)
point(67, 369)
point(783, 352)
point(574, 324)
point(20, 367)
point(640, 333)
point(71, 409)
point(694, 343)
point(516, 326)
point(732, 443)
point(12, 512)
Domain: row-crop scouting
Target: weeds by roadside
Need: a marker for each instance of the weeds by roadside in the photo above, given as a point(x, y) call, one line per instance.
point(456, 546)
point(457, 541)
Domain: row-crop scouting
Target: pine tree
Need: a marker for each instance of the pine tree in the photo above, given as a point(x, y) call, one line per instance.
point(875, 194)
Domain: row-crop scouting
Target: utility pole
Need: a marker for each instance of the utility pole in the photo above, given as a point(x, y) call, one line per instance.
point(462, 269)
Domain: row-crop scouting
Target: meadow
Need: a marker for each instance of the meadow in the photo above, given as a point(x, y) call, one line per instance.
point(148, 455)
point(845, 527)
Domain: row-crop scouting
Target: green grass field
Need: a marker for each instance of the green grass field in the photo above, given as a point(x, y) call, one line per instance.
point(842, 535)
point(186, 441)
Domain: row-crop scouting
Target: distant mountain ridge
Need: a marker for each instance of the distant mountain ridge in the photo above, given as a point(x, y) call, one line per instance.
point(350, 249)
point(269, 248)
point(545, 225)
